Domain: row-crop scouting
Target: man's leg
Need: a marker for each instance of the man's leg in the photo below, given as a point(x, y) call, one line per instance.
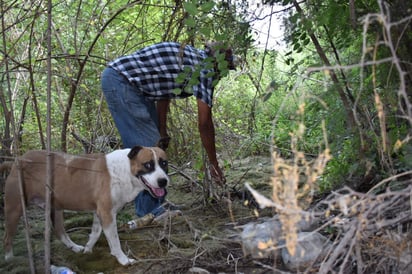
point(146, 203)
point(135, 116)
point(136, 120)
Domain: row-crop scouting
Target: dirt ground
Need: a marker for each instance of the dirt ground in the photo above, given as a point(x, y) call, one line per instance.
point(205, 238)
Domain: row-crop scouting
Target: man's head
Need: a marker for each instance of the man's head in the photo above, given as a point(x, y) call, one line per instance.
point(220, 51)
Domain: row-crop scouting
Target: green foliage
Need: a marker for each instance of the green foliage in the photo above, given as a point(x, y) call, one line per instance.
point(85, 36)
point(361, 149)
point(268, 86)
point(218, 21)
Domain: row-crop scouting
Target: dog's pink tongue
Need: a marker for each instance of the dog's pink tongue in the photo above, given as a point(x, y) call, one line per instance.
point(159, 192)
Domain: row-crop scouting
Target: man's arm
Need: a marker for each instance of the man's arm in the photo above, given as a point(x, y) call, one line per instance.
point(207, 135)
point(162, 110)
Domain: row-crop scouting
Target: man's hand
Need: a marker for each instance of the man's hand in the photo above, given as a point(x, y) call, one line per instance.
point(217, 174)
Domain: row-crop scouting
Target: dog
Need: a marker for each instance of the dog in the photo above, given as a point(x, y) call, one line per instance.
point(101, 183)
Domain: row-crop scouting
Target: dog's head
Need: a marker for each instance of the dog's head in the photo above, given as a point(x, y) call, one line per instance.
point(150, 165)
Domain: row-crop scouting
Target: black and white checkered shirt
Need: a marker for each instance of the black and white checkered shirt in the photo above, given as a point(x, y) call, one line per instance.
point(155, 70)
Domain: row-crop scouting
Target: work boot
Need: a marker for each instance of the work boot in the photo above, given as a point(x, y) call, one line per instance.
point(140, 222)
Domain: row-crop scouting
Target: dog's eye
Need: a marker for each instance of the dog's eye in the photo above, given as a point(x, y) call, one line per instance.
point(149, 165)
point(163, 164)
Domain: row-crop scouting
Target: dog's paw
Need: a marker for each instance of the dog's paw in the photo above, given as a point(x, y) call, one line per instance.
point(87, 249)
point(77, 248)
point(131, 261)
point(126, 261)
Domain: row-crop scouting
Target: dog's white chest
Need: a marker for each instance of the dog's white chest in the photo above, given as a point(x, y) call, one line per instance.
point(124, 185)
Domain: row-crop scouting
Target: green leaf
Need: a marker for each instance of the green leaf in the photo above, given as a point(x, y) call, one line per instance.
point(181, 77)
point(306, 41)
point(222, 65)
point(296, 46)
point(205, 31)
point(288, 53)
point(190, 22)
point(289, 61)
point(208, 6)
point(177, 91)
point(191, 8)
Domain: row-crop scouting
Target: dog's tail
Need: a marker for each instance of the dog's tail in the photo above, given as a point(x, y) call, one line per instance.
point(6, 166)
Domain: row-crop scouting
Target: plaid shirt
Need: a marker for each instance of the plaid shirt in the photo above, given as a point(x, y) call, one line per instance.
point(154, 70)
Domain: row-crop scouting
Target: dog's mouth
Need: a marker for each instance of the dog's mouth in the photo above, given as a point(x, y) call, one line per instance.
point(156, 192)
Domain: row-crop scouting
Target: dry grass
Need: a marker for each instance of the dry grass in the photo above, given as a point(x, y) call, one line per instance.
point(370, 232)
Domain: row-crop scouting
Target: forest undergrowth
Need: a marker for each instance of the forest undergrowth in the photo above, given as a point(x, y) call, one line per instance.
point(366, 215)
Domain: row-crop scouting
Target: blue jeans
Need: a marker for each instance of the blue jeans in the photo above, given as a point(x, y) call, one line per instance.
point(134, 115)
point(136, 120)
point(145, 203)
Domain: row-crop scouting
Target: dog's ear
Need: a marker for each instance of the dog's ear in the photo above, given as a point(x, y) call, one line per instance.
point(134, 151)
point(163, 143)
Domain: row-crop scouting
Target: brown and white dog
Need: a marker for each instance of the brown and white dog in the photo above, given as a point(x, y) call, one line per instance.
point(99, 183)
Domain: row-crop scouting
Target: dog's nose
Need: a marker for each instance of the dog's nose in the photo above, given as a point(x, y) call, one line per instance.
point(162, 182)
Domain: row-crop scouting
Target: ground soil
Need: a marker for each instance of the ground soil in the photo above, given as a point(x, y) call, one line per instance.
point(204, 238)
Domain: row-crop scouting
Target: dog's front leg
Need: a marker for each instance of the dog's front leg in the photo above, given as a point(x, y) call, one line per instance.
point(110, 231)
point(94, 235)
